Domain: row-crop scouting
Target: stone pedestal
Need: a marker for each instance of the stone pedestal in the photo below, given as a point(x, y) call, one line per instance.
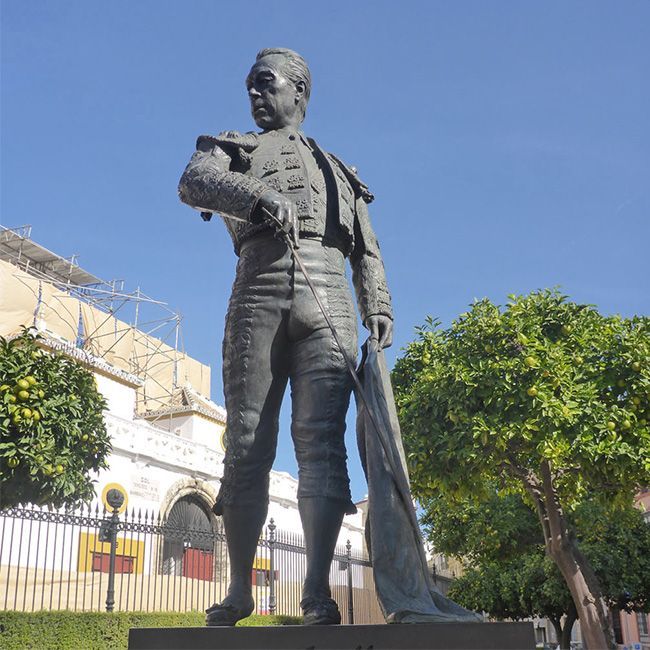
point(430, 636)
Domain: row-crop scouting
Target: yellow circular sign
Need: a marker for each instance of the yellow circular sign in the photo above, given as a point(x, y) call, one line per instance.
point(115, 486)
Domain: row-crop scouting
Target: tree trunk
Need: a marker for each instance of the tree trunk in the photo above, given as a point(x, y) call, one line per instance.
point(587, 600)
point(575, 569)
point(565, 639)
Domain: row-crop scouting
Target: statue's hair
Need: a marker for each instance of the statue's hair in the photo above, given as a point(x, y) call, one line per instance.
point(295, 69)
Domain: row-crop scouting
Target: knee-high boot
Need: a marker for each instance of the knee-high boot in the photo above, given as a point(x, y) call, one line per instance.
point(321, 521)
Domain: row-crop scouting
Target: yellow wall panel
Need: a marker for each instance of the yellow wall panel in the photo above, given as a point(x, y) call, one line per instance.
point(89, 544)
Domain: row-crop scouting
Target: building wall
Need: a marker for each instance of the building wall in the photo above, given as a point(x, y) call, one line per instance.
point(155, 467)
point(193, 426)
point(643, 501)
point(634, 628)
point(120, 397)
point(154, 463)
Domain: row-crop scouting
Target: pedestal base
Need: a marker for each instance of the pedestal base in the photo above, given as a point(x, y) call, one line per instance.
point(428, 636)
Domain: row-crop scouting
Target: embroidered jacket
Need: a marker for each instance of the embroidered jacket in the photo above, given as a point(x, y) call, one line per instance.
point(229, 173)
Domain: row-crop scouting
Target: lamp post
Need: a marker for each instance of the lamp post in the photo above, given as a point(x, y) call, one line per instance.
point(272, 603)
point(115, 500)
point(348, 556)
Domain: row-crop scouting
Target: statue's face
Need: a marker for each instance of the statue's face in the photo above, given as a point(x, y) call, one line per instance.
point(275, 101)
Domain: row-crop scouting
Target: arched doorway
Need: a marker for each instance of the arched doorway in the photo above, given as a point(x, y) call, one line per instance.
point(188, 540)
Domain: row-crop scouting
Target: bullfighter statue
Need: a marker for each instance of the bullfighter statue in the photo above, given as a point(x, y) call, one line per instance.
point(268, 186)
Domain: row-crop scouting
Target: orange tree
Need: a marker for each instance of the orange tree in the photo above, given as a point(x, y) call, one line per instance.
point(507, 572)
point(52, 432)
point(545, 398)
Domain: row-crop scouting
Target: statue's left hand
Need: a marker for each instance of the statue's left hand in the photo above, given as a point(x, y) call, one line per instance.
point(381, 329)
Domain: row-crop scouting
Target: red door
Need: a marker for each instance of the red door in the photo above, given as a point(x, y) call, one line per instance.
point(197, 564)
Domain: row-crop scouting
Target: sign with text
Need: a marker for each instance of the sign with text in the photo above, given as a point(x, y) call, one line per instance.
point(145, 487)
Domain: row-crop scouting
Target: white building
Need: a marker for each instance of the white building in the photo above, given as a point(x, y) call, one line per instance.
point(166, 432)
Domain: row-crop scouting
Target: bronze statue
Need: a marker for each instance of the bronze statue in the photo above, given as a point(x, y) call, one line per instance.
point(262, 183)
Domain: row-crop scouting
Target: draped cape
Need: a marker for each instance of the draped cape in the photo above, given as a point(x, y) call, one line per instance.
point(404, 586)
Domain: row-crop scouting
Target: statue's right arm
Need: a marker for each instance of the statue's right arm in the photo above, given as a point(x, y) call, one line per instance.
point(208, 185)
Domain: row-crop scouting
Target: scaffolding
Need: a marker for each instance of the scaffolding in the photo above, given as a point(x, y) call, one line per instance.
point(101, 319)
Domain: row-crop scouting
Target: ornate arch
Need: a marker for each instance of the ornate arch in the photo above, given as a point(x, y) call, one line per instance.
point(195, 487)
point(170, 556)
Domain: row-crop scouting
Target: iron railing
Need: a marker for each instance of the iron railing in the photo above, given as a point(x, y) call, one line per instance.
point(91, 560)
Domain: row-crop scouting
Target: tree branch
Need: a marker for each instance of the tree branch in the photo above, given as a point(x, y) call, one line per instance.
point(533, 486)
point(556, 523)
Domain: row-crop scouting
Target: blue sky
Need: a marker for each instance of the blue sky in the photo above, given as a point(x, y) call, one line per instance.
point(507, 143)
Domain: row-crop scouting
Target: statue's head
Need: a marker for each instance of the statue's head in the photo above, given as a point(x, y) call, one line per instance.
point(278, 86)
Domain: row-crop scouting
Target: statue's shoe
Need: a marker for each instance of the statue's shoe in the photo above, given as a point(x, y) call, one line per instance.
point(224, 614)
point(320, 611)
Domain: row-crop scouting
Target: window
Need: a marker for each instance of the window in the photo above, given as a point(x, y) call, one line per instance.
point(95, 555)
point(642, 623)
point(123, 563)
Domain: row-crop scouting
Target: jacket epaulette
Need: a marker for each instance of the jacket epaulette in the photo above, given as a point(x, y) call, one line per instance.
point(229, 139)
point(236, 145)
point(351, 173)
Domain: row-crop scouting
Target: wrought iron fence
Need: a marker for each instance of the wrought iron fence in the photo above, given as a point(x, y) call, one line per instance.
point(91, 559)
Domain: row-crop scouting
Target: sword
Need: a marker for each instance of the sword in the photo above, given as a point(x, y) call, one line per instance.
point(293, 246)
point(298, 258)
point(398, 473)
point(401, 479)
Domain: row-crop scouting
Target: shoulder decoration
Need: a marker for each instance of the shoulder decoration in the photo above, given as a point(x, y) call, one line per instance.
point(229, 139)
point(351, 173)
point(237, 145)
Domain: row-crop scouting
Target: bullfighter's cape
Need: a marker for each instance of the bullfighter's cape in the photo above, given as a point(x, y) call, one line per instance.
point(404, 586)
